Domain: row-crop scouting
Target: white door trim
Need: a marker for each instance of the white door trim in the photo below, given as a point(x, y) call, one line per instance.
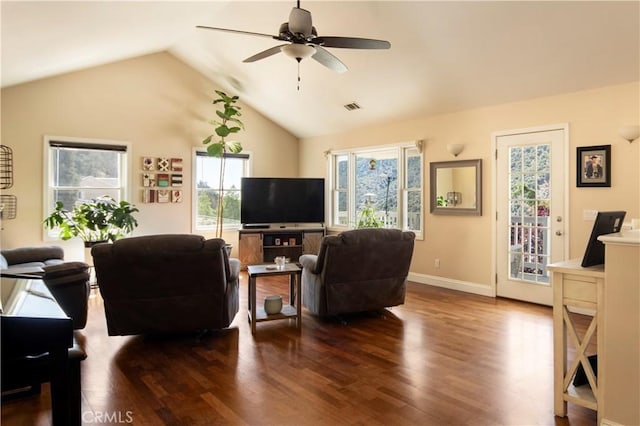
point(494, 188)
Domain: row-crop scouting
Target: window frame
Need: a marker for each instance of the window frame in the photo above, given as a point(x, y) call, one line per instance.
point(404, 151)
point(194, 193)
point(125, 170)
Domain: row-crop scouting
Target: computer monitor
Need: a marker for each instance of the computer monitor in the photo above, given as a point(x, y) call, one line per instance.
point(605, 223)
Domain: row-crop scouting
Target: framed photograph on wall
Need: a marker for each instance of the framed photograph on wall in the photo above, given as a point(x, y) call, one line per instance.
point(593, 168)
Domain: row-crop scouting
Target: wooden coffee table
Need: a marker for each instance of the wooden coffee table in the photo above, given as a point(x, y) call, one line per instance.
point(291, 310)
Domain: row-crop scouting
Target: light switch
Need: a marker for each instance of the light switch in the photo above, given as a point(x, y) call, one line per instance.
point(589, 214)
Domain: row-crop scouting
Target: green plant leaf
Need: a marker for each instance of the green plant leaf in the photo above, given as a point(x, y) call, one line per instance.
point(234, 147)
point(215, 150)
point(222, 131)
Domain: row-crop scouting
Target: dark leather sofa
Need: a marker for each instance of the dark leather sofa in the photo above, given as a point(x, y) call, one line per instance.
point(67, 281)
point(356, 271)
point(166, 284)
point(30, 260)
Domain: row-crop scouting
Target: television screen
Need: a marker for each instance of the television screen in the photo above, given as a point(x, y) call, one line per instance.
point(281, 200)
point(605, 223)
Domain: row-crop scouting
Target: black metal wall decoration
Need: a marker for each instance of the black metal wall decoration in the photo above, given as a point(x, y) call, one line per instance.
point(6, 167)
point(8, 207)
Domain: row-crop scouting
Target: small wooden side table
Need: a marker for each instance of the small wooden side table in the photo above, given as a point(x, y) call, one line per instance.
point(291, 310)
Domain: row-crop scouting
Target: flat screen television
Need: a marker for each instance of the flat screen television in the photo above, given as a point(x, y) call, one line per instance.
point(281, 200)
point(605, 223)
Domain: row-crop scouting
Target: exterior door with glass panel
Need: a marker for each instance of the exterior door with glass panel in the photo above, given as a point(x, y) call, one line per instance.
point(531, 177)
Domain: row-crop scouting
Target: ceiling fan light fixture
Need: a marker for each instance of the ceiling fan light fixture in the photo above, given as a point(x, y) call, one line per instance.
point(298, 51)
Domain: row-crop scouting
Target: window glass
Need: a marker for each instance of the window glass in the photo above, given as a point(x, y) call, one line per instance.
point(79, 170)
point(414, 201)
point(82, 174)
point(207, 188)
point(377, 188)
point(340, 199)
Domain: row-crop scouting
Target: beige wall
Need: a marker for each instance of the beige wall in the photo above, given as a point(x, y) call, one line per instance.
point(464, 244)
point(161, 106)
point(157, 104)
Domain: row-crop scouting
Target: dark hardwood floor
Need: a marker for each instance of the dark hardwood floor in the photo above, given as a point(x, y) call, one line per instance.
point(443, 358)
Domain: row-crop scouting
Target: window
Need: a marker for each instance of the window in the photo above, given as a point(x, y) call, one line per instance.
point(207, 189)
point(79, 169)
point(377, 187)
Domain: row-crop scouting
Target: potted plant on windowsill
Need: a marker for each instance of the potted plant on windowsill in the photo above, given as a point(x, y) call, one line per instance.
point(98, 220)
point(368, 217)
point(226, 124)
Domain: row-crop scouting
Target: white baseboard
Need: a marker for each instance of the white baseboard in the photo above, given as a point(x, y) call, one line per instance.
point(452, 284)
point(605, 422)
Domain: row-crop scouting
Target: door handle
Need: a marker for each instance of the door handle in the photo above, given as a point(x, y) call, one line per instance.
point(558, 233)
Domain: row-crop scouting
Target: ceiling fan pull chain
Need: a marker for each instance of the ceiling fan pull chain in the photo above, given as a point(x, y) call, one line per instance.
point(299, 75)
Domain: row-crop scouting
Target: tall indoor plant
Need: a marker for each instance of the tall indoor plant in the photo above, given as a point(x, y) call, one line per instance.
point(98, 220)
point(226, 123)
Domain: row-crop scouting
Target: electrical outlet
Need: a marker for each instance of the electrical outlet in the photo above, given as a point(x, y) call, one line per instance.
point(437, 263)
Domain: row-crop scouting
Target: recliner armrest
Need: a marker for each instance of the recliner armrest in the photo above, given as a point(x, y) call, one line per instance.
point(68, 273)
point(309, 262)
point(234, 269)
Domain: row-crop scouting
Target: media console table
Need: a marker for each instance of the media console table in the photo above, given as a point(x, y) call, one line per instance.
point(257, 246)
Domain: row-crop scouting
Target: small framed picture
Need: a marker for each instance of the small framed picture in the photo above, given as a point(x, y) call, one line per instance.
point(593, 168)
point(277, 241)
point(148, 163)
point(292, 241)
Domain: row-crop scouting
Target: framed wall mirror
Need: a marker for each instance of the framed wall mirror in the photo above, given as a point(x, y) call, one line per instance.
point(456, 187)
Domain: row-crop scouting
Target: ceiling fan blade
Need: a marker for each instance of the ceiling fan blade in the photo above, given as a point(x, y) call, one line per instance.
point(236, 31)
point(328, 60)
point(352, 43)
point(265, 53)
point(300, 21)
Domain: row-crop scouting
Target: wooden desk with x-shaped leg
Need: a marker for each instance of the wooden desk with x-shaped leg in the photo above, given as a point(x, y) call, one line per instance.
point(576, 289)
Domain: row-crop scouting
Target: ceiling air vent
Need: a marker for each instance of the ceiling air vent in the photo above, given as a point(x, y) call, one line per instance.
point(352, 106)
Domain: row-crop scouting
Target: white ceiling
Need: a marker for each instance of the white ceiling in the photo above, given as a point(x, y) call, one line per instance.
point(444, 56)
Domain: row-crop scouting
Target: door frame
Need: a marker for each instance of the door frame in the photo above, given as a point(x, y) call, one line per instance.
point(494, 186)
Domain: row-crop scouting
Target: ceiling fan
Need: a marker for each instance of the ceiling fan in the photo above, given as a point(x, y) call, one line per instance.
point(303, 41)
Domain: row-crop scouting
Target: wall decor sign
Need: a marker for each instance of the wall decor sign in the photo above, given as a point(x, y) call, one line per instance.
point(148, 163)
point(593, 166)
point(163, 179)
point(176, 164)
point(158, 175)
point(163, 164)
point(148, 179)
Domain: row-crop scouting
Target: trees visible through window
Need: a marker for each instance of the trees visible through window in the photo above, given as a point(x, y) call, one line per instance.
point(377, 188)
point(207, 188)
point(78, 170)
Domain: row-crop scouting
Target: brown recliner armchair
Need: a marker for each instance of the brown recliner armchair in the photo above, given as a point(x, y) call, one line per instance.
point(356, 271)
point(166, 284)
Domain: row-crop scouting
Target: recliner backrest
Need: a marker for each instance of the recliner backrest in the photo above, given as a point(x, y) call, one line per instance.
point(161, 261)
point(365, 254)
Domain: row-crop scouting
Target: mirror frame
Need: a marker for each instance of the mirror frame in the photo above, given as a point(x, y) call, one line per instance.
point(433, 173)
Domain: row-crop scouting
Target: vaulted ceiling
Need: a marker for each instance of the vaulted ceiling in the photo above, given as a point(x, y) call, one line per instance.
point(444, 56)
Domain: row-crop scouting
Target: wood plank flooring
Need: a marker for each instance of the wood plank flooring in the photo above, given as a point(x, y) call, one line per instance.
point(443, 358)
